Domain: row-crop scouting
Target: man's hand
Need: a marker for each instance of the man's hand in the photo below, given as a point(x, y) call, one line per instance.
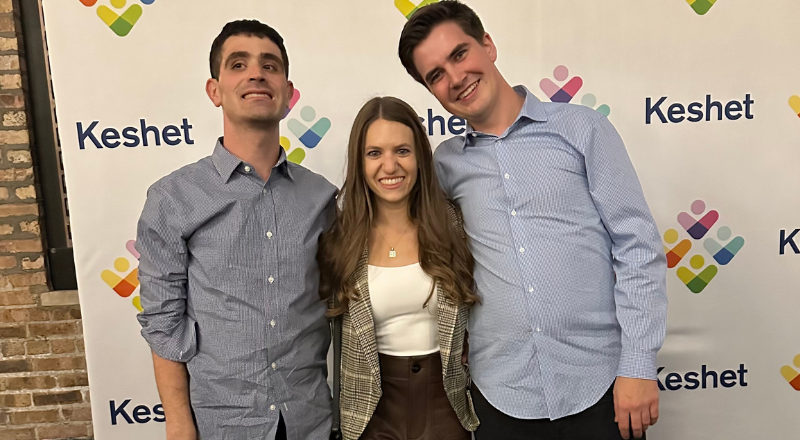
point(635, 405)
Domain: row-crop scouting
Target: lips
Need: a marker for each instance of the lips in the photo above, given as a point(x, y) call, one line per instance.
point(258, 94)
point(391, 182)
point(468, 91)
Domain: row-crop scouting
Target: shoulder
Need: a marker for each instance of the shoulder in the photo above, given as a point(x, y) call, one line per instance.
point(448, 148)
point(574, 120)
point(311, 180)
point(187, 176)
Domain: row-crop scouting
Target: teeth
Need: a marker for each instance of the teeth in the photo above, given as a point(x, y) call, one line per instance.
point(258, 94)
point(390, 182)
point(468, 91)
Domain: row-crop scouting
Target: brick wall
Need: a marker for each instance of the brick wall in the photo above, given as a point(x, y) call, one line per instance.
point(44, 391)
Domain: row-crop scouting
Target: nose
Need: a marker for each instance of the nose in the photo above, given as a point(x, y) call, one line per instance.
point(455, 76)
point(389, 164)
point(255, 72)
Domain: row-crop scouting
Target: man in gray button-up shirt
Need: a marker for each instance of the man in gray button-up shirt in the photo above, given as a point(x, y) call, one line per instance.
point(229, 280)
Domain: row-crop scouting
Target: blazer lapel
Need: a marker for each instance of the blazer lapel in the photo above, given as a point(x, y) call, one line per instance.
point(448, 315)
point(361, 315)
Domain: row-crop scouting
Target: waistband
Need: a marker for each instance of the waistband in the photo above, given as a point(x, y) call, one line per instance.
point(406, 366)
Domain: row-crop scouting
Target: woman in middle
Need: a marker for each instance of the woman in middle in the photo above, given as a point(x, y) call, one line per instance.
point(396, 266)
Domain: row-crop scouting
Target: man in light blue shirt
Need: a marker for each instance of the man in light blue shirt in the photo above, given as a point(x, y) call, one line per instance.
point(569, 262)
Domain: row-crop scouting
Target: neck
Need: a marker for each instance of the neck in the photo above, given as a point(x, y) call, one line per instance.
point(257, 145)
point(392, 215)
point(505, 111)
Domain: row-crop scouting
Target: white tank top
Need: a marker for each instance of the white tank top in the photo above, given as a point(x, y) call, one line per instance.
point(402, 326)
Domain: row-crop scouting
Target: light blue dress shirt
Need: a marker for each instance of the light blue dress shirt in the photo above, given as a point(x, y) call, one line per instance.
point(569, 262)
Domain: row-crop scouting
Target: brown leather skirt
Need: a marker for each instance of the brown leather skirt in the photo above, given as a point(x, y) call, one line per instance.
point(414, 404)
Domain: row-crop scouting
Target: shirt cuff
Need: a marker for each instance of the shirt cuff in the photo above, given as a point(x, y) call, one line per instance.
point(638, 365)
point(177, 343)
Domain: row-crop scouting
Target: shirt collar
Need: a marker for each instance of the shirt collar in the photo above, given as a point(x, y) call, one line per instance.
point(532, 109)
point(226, 163)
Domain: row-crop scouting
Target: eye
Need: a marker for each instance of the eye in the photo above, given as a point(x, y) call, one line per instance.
point(269, 66)
point(237, 65)
point(461, 54)
point(435, 77)
point(373, 153)
point(404, 151)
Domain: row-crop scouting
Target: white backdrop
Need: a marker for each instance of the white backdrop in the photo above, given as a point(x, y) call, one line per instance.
point(738, 332)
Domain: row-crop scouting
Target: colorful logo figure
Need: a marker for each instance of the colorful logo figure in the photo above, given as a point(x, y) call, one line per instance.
point(698, 228)
point(127, 283)
point(408, 9)
point(569, 90)
point(723, 254)
point(309, 137)
point(791, 375)
point(701, 6)
point(722, 248)
point(675, 254)
point(122, 20)
point(696, 283)
point(794, 103)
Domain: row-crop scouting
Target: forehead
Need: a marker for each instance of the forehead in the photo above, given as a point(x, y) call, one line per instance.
point(383, 132)
point(251, 44)
point(436, 48)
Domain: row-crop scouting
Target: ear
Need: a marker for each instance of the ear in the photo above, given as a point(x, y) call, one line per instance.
point(489, 47)
point(212, 90)
point(290, 86)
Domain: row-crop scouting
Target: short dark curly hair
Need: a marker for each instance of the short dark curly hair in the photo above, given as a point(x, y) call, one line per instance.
point(250, 28)
point(420, 25)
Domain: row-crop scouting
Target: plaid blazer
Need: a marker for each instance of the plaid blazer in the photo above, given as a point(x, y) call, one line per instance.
point(360, 368)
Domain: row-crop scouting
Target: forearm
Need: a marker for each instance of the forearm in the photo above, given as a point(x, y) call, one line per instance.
point(172, 380)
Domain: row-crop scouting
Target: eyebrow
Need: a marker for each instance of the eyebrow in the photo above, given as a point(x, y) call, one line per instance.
point(390, 148)
point(452, 55)
point(262, 56)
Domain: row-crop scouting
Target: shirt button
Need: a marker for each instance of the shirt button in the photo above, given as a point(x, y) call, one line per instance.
point(272, 407)
point(521, 250)
point(538, 330)
point(269, 234)
point(246, 169)
point(506, 176)
point(272, 323)
point(530, 289)
point(514, 212)
point(274, 365)
point(270, 279)
point(263, 191)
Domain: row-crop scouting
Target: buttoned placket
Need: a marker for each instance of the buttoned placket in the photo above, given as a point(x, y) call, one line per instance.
point(269, 244)
point(515, 217)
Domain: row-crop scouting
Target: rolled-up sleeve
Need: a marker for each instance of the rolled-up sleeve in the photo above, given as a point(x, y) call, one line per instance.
point(166, 326)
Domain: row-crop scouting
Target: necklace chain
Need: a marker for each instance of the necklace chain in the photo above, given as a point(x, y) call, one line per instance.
point(392, 252)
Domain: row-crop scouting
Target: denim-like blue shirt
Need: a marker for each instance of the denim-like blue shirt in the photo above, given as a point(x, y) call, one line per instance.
point(230, 286)
point(569, 262)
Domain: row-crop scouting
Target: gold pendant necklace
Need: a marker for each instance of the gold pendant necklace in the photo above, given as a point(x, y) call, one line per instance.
point(392, 252)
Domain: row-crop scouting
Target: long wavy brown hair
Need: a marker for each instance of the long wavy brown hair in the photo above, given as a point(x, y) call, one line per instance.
point(443, 252)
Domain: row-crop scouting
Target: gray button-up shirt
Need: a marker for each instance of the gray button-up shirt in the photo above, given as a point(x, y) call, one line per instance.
point(229, 285)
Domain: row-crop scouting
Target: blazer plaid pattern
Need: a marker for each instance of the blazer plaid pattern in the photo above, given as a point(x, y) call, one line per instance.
point(360, 368)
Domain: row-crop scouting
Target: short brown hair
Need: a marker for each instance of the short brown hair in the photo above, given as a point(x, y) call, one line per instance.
point(420, 25)
point(250, 28)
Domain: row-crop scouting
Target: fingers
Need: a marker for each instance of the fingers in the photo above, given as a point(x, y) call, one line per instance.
point(654, 413)
point(623, 420)
point(636, 424)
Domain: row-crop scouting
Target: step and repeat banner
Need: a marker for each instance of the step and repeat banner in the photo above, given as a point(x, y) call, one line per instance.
point(705, 93)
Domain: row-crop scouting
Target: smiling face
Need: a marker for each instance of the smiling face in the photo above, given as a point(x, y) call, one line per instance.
point(390, 161)
point(459, 71)
point(252, 85)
